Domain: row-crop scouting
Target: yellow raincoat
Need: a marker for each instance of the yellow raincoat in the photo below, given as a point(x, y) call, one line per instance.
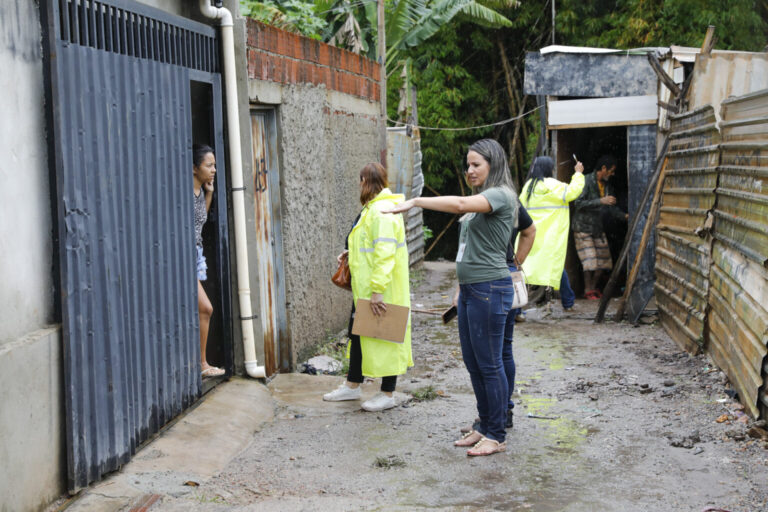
point(378, 262)
point(548, 207)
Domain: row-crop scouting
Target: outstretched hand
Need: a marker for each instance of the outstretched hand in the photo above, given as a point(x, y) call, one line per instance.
point(402, 207)
point(579, 167)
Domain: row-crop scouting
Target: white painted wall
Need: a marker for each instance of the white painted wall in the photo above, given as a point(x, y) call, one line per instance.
point(26, 294)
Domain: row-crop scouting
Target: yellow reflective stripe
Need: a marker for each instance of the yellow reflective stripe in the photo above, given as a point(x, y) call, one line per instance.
point(393, 240)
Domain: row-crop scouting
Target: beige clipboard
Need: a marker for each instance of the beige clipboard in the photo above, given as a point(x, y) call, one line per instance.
point(390, 326)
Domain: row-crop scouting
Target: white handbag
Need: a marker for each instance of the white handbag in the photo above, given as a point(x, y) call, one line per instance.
point(521, 290)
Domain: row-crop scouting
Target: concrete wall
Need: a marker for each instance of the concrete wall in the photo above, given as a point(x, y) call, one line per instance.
point(32, 446)
point(25, 224)
point(31, 417)
point(327, 103)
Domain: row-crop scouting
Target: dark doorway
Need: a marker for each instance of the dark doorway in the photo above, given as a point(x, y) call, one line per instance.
point(588, 145)
point(219, 347)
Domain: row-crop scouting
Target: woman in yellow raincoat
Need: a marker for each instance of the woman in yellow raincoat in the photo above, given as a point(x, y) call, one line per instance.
point(378, 264)
point(546, 200)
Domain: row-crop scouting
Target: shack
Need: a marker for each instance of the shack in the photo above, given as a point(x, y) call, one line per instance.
point(707, 259)
point(600, 101)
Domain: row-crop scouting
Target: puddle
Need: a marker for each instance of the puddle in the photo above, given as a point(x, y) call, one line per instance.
point(552, 351)
point(562, 435)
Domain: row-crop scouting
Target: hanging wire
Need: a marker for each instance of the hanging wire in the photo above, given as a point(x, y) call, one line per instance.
point(498, 123)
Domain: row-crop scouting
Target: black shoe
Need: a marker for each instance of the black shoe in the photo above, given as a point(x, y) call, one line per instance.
point(508, 424)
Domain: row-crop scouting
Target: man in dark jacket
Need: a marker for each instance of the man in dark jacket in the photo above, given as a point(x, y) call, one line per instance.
point(596, 199)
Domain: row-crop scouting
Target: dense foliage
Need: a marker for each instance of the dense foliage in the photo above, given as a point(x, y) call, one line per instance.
point(469, 72)
point(740, 24)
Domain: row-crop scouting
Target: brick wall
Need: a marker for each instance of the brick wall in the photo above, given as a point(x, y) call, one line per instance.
point(279, 56)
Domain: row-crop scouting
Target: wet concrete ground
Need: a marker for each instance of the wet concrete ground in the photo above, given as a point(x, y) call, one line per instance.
point(630, 427)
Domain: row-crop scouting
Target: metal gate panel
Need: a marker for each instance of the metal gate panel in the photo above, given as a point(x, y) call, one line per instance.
point(738, 320)
point(682, 257)
point(120, 118)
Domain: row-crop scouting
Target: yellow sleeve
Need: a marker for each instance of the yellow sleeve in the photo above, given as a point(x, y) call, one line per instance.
point(574, 188)
point(385, 244)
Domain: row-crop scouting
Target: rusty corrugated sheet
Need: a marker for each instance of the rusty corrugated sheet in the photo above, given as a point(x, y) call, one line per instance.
point(118, 79)
point(738, 321)
point(405, 177)
point(682, 257)
point(726, 73)
point(269, 244)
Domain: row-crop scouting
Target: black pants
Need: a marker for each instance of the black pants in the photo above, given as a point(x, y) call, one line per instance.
point(355, 373)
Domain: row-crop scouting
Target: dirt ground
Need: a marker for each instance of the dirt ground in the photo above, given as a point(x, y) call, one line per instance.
point(609, 417)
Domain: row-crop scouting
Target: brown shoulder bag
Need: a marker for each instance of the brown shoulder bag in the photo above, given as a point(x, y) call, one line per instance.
point(342, 278)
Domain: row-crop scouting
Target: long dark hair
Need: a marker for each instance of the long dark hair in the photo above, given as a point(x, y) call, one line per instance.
point(542, 168)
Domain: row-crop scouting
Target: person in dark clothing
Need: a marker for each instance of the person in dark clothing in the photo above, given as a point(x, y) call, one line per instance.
point(597, 199)
point(527, 231)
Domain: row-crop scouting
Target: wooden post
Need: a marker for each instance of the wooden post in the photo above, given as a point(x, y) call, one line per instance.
point(709, 41)
point(553, 21)
point(382, 54)
point(649, 224)
point(663, 76)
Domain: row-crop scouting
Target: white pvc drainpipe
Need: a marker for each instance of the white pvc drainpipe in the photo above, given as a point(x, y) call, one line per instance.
point(236, 179)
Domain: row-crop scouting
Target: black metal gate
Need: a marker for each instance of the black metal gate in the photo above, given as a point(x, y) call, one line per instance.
point(120, 137)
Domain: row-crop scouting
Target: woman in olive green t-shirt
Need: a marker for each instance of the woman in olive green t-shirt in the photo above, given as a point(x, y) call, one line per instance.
point(485, 287)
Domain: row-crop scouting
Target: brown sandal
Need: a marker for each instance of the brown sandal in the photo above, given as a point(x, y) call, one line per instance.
point(496, 447)
point(464, 430)
point(469, 439)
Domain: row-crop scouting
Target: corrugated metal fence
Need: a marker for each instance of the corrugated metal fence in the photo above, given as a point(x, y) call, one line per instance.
point(119, 97)
point(712, 289)
point(682, 257)
point(405, 177)
point(738, 321)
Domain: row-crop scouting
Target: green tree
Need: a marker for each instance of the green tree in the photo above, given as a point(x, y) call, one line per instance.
point(291, 15)
point(740, 24)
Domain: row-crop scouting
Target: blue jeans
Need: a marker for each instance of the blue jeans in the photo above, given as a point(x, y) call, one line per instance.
point(507, 356)
point(482, 315)
point(567, 297)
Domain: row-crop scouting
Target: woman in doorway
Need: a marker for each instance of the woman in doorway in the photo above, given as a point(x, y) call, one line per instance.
point(546, 200)
point(485, 293)
point(204, 171)
point(378, 264)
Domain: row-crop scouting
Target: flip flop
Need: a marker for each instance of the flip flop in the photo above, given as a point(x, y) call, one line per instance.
point(212, 371)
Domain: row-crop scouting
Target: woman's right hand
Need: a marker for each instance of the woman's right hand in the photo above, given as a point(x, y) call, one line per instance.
point(456, 297)
point(341, 256)
point(579, 167)
point(402, 207)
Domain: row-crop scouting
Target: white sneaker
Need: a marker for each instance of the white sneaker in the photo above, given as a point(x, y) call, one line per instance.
point(342, 393)
point(379, 403)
